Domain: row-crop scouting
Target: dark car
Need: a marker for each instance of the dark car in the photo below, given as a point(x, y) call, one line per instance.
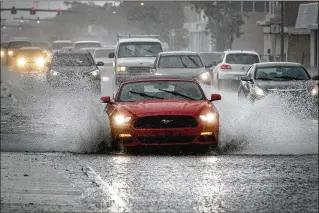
point(13, 47)
point(289, 81)
point(4, 46)
point(67, 68)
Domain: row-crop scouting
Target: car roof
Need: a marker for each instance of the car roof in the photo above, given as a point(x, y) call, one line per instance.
point(70, 52)
point(20, 40)
point(241, 51)
point(210, 53)
point(279, 64)
point(105, 48)
point(62, 41)
point(160, 77)
point(178, 53)
point(123, 40)
point(80, 42)
point(30, 48)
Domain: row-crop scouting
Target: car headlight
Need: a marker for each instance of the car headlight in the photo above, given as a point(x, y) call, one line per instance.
point(121, 119)
point(204, 76)
point(258, 91)
point(95, 72)
point(40, 62)
point(55, 73)
point(10, 52)
point(315, 90)
point(209, 117)
point(2, 53)
point(21, 62)
point(120, 69)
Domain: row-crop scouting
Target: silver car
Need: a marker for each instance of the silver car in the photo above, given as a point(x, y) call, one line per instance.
point(233, 64)
point(183, 63)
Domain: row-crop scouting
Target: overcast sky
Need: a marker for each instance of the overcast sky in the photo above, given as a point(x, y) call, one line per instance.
point(43, 4)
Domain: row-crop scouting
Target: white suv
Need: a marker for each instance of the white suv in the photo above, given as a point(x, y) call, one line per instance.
point(233, 64)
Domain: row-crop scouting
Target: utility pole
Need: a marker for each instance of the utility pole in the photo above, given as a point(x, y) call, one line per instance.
point(282, 33)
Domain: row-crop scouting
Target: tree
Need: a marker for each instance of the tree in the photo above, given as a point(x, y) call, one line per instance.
point(224, 21)
point(155, 17)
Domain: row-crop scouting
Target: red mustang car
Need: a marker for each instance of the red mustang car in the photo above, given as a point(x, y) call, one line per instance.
point(162, 111)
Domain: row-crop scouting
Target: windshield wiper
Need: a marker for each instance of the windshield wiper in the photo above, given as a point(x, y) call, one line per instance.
point(150, 51)
point(288, 77)
point(145, 95)
point(197, 65)
point(265, 79)
point(130, 50)
point(176, 93)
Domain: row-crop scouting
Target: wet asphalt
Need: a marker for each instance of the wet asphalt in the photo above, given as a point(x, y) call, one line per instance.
point(161, 182)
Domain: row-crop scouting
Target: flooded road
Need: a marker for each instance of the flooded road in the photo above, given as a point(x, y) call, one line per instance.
point(269, 162)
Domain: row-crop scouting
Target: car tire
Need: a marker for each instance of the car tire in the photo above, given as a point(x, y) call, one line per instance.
point(131, 150)
point(203, 149)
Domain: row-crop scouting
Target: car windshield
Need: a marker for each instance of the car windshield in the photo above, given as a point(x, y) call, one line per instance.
point(86, 45)
point(72, 60)
point(19, 44)
point(242, 58)
point(140, 91)
point(180, 61)
point(103, 53)
point(40, 44)
point(210, 57)
point(61, 45)
point(139, 49)
point(30, 53)
point(281, 73)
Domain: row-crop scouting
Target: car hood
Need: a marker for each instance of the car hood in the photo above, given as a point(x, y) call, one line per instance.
point(180, 71)
point(280, 85)
point(74, 69)
point(165, 107)
point(136, 62)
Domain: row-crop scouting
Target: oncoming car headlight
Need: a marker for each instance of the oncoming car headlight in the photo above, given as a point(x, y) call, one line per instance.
point(258, 91)
point(40, 62)
point(209, 117)
point(121, 119)
point(204, 76)
point(95, 72)
point(315, 90)
point(120, 69)
point(21, 62)
point(2, 53)
point(10, 52)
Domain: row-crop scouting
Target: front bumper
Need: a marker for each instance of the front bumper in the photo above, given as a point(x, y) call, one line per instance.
point(166, 137)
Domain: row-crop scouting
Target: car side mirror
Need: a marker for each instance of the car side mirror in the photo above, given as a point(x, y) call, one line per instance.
point(111, 55)
point(215, 97)
point(245, 78)
point(99, 63)
point(208, 65)
point(316, 78)
point(106, 99)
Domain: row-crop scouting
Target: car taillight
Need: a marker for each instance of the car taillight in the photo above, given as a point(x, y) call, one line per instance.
point(225, 67)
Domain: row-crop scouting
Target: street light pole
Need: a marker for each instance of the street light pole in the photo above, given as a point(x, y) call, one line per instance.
point(282, 33)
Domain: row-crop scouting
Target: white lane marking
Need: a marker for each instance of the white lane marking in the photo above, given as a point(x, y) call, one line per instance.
point(106, 187)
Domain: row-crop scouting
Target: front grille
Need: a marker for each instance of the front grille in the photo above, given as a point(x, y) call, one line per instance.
point(138, 69)
point(174, 139)
point(167, 121)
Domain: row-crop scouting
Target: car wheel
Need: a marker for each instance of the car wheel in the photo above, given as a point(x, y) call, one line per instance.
point(131, 150)
point(203, 149)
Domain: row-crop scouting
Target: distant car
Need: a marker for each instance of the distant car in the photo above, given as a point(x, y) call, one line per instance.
point(87, 44)
point(102, 54)
point(233, 64)
point(289, 81)
point(13, 47)
point(67, 68)
point(162, 111)
point(59, 44)
point(4, 46)
point(182, 63)
point(134, 56)
point(210, 58)
point(29, 60)
point(89, 49)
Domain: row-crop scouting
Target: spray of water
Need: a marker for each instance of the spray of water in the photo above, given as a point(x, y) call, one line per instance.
point(70, 118)
point(265, 127)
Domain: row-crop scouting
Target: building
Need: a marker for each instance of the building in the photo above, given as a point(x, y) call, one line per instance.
point(252, 39)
